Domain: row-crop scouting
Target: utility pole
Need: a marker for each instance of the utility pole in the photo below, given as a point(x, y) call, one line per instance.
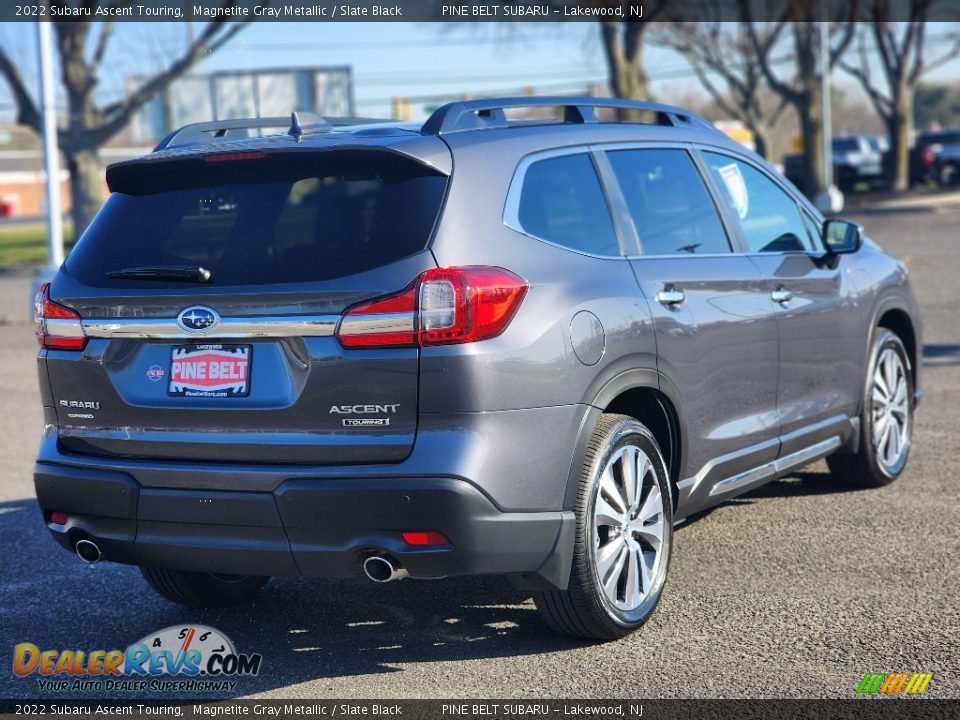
point(51, 151)
point(830, 198)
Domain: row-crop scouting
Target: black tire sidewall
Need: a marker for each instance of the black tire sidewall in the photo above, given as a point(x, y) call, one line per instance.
point(625, 432)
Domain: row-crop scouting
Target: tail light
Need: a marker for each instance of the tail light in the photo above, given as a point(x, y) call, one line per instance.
point(56, 325)
point(442, 306)
point(928, 155)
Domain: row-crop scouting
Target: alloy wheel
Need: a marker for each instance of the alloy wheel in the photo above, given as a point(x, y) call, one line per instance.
point(628, 517)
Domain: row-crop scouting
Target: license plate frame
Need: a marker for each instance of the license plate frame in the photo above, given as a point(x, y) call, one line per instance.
point(210, 370)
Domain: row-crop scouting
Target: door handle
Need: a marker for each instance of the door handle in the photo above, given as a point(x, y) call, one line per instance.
point(670, 297)
point(781, 295)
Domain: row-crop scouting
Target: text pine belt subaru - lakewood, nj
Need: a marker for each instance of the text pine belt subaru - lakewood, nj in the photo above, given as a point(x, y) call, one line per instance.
point(484, 345)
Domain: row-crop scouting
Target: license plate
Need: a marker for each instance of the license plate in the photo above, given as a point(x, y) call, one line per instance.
point(210, 371)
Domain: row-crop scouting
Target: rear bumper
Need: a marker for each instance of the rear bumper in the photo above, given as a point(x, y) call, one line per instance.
point(315, 527)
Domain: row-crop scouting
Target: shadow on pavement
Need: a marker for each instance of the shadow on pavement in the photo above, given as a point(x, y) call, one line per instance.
point(305, 628)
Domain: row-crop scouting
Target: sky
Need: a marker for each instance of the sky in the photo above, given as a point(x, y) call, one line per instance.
point(391, 59)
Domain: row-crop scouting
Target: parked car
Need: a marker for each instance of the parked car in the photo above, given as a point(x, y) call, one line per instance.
point(477, 346)
point(940, 154)
point(856, 159)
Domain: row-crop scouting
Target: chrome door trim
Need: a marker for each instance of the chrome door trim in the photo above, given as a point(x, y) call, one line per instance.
point(771, 469)
point(229, 327)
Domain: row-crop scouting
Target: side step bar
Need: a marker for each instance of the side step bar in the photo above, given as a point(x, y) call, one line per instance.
point(776, 467)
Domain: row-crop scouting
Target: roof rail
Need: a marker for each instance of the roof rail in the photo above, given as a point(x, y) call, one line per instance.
point(299, 124)
point(488, 113)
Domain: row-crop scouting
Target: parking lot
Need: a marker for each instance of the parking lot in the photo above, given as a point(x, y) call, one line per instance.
point(794, 590)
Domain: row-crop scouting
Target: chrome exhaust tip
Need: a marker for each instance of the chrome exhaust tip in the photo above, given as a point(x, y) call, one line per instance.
point(383, 570)
point(88, 551)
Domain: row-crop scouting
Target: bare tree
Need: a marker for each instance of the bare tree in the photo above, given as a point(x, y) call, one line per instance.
point(724, 61)
point(902, 62)
point(623, 44)
point(82, 47)
point(796, 32)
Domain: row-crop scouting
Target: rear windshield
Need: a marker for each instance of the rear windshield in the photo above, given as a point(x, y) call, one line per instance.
point(297, 217)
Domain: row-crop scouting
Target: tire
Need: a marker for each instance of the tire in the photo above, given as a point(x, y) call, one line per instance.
point(586, 608)
point(948, 176)
point(202, 590)
point(886, 426)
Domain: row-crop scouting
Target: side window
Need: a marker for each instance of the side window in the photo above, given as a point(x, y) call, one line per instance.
point(768, 216)
point(562, 202)
point(670, 206)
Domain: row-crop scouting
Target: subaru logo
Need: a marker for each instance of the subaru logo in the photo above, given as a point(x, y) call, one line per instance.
point(198, 319)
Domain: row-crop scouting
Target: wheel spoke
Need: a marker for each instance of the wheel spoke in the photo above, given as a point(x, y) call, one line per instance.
point(607, 556)
point(606, 514)
point(610, 490)
point(652, 506)
point(644, 468)
point(652, 533)
point(883, 447)
point(889, 371)
point(879, 430)
point(880, 384)
point(633, 592)
point(628, 471)
point(900, 394)
point(893, 445)
point(646, 571)
point(611, 580)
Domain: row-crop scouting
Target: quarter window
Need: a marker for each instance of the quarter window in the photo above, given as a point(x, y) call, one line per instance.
point(670, 207)
point(562, 202)
point(768, 216)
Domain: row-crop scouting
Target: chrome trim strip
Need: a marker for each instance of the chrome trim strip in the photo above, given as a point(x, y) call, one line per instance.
point(63, 328)
point(771, 469)
point(235, 327)
point(382, 323)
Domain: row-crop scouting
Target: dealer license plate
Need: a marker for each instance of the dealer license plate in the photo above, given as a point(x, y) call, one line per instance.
point(210, 371)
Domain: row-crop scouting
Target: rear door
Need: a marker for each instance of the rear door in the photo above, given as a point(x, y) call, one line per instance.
point(244, 366)
point(715, 330)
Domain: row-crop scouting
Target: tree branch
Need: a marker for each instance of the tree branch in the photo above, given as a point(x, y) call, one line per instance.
point(118, 114)
point(27, 112)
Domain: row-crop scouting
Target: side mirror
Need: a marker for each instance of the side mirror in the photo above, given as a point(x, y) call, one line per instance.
point(842, 236)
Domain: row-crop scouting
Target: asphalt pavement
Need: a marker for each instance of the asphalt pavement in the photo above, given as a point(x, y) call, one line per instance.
point(794, 590)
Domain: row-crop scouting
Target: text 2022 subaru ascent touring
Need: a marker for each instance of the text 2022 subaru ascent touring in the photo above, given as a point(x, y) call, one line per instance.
point(483, 345)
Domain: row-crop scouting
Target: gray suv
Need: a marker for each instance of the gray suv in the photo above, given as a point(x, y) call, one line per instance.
point(484, 345)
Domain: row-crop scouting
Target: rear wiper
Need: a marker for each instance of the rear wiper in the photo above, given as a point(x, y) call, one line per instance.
point(187, 273)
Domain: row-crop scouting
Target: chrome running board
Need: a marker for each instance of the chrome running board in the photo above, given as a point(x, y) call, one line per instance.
point(776, 467)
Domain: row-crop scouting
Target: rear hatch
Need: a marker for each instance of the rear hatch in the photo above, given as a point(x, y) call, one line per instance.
point(210, 287)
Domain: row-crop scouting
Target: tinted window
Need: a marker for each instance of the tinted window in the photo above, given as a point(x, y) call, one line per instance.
point(768, 216)
point(562, 202)
point(262, 221)
point(668, 202)
point(846, 145)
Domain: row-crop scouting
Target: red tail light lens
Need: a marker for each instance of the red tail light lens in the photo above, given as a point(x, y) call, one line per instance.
point(442, 306)
point(927, 155)
point(56, 325)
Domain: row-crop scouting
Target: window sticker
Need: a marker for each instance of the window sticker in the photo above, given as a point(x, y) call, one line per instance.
point(736, 188)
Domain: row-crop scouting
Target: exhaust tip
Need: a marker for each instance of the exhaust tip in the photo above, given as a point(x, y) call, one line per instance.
point(382, 570)
point(88, 551)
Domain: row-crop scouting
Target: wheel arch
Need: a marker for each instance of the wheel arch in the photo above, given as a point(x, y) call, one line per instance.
point(892, 316)
point(650, 398)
